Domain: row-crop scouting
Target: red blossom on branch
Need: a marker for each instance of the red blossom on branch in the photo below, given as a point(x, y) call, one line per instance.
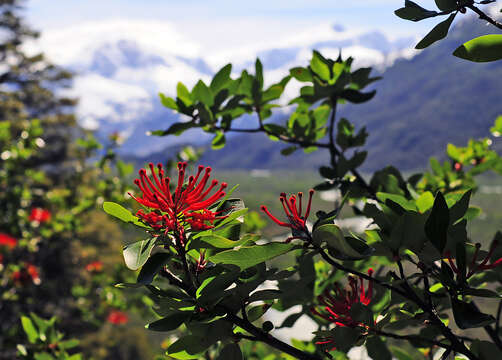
point(188, 203)
point(474, 266)
point(293, 210)
point(94, 267)
point(40, 215)
point(338, 302)
point(117, 317)
point(8, 241)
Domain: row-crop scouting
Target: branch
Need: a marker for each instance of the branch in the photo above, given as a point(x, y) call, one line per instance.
point(483, 16)
point(334, 152)
point(411, 338)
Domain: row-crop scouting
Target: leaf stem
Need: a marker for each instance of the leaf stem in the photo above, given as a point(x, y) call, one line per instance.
point(484, 16)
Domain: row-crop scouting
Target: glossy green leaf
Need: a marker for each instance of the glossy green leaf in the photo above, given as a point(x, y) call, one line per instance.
point(29, 329)
point(377, 349)
point(170, 322)
point(202, 93)
point(445, 5)
point(221, 79)
point(345, 248)
point(168, 102)
point(136, 254)
point(357, 97)
point(261, 295)
point(436, 226)
point(218, 141)
point(481, 49)
point(230, 352)
point(152, 266)
point(175, 129)
point(414, 12)
point(248, 256)
point(467, 316)
point(438, 32)
point(223, 243)
point(183, 94)
point(319, 66)
point(496, 129)
point(257, 312)
point(121, 213)
point(301, 74)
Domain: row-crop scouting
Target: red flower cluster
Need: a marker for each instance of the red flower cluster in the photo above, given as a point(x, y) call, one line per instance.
point(28, 273)
point(117, 317)
point(94, 267)
point(293, 211)
point(338, 306)
point(40, 215)
point(473, 266)
point(7, 240)
point(187, 204)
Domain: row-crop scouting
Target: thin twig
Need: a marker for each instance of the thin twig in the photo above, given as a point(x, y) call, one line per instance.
point(483, 16)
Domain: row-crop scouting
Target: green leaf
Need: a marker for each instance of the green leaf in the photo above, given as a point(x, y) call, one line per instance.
point(175, 129)
point(481, 49)
point(248, 256)
point(223, 243)
point(136, 254)
point(257, 312)
point(345, 248)
point(221, 78)
point(187, 347)
point(377, 350)
point(202, 93)
point(436, 226)
point(218, 141)
point(445, 5)
point(481, 293)
point(438, 32)
point(301, 74)
point(425, 201)
point(289, 150)
point(168, 102)
point(121, 213)
point(414, 12)
point(152, 266)
point(496, 129)
point(344, 337)
point(29, 329)
point(357, 97)
point(183, 94)
point(319, 66)
point(230, 352)
point(261, 295)
point(170, 322)
point(467, 316)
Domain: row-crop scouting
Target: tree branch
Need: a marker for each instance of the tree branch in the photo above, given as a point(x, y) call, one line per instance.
point(483, 16)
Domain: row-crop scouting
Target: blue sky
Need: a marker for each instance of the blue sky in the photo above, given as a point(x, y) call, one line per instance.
point(208, 15)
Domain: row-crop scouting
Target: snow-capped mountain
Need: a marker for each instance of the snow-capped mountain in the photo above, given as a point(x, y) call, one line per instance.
point(122, 65)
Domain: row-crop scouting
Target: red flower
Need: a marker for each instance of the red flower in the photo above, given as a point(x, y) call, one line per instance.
point(186, 205)
point(473, 266)
point(7, 240)
point(39, 214)
point(117, 317)
point(29, 273)
point(95, 266)
point(337, 305)
point(297, 222)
